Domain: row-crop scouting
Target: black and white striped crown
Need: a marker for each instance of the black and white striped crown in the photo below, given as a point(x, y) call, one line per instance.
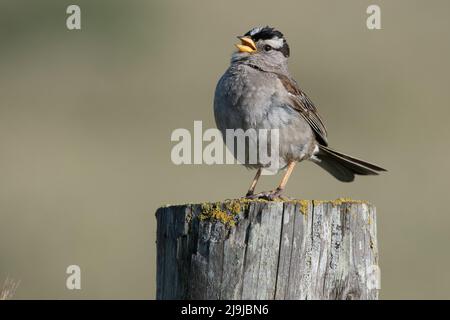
point(270, 36)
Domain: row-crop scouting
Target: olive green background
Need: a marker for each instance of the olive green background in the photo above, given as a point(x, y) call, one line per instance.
point(86, 118)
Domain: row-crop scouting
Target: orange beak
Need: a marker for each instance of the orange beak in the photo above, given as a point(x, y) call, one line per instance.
point(246, 45)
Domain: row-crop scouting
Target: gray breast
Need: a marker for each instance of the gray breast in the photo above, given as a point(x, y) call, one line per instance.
point(246, 98)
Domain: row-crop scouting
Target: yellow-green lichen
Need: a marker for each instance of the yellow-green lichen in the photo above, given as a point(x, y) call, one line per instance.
point(233, 206)
point(339, 201)
point(225, 212)
point(303, 206)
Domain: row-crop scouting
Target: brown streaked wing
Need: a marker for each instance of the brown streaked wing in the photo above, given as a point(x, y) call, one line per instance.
point(306, 108)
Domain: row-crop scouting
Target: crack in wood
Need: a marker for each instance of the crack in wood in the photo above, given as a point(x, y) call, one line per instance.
point(272, 252)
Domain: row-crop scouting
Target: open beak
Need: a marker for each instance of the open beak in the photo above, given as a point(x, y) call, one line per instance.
point(246, 45)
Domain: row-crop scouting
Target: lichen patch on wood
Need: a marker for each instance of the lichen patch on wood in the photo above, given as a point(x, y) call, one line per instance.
point(258, 249)
point(225, 213)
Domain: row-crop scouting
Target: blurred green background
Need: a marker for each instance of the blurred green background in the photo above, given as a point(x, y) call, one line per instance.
point(86, 118)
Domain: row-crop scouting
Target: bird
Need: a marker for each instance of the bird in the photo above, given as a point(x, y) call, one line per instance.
point(257, 92)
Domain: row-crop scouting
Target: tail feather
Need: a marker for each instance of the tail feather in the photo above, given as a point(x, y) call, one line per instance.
point(353, 159)
point(344, 167)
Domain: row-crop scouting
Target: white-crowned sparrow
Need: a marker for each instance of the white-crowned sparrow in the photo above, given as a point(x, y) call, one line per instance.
point(257, 92)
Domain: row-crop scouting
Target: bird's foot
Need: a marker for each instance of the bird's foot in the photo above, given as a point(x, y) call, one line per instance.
point(268, 195)
point(249, 194)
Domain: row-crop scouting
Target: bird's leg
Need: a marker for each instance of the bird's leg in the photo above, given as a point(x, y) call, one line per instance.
point(278, 191)
point(286, 176)
point(251, 191)
point(271, 195)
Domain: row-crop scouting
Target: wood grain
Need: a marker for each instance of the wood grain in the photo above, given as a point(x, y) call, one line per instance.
point(241, 249)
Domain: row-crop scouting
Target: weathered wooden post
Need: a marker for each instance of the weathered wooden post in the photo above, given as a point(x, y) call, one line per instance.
point(255, 249)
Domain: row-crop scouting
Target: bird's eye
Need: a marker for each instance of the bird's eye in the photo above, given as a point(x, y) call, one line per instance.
point(267, 47)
